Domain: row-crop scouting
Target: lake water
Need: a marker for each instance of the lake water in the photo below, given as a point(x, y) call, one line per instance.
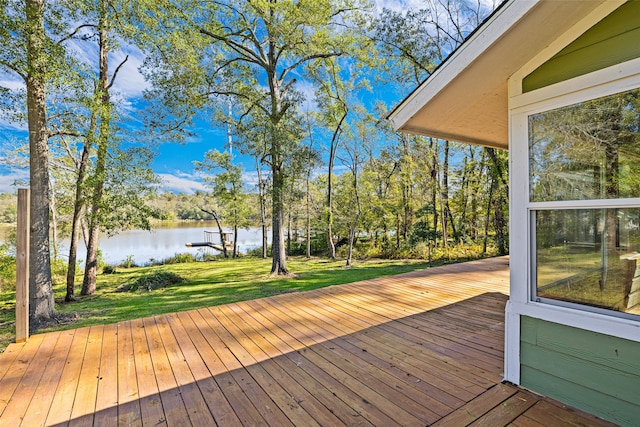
point(163, 242)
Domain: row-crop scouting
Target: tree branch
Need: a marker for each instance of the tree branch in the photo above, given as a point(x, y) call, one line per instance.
point(70, 35)
point(115, 73)
point(14, 68)
point(247, 54)
point(52, 134)
point(307, 59)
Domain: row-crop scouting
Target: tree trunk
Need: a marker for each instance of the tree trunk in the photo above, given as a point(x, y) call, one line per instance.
point(77, 217)
point(289, 232)
point(464, 187)
point(308, 213)
point(223, 240)
point(447, 217)
point(354, 224)
point(54, 220)
point(333, 148)
point(433, 146)
point(91, 267)
point(407, 187)
point(488, 216)
point(235, 241)
point(279, 256)
point(330, 244)
point(263, 210)
point(611, 262)
point(41, 304)
point(500, 222)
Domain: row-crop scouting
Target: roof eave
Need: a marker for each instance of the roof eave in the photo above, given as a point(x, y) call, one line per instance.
point(466, 97)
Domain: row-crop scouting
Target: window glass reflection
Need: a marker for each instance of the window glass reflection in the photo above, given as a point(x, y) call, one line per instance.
point(589, 256)
point(584, 151)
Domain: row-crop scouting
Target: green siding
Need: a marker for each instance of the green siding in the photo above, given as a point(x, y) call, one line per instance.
point(612, 41)
point(594, 372)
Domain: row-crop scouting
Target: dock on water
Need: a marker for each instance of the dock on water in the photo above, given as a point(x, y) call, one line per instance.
point(210, 241)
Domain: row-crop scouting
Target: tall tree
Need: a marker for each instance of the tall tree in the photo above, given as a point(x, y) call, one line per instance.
point(227, 189)
point(41, 294)
point(103, 140)
point(261, 48)
point(354, 154)
point(331, 97)
point(28, 51)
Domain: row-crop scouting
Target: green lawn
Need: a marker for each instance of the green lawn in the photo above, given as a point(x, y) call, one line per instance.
point(206, 284)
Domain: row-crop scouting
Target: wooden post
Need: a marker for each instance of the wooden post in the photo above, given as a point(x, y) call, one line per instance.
point(22, 266)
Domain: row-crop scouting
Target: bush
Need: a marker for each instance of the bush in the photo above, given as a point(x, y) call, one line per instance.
point(109, 269)
point(59, 269)
point(179, 259)
point(128, 262)
point(153, 281)
point(7, 267)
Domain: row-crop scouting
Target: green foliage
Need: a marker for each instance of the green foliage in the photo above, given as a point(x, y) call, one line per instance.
point(128, 262)
point(152, 282)
point(170, 206)
point(177, 259)
point(422, 230)
point(58, 270)
point(8, 208)
point(7, 267)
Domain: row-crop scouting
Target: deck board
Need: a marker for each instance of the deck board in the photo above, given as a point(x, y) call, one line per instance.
point(421, 348)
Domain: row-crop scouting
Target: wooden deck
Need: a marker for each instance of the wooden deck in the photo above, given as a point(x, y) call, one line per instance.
point(423, 348)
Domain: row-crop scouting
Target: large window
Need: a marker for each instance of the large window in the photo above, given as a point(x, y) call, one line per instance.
point(584, 182)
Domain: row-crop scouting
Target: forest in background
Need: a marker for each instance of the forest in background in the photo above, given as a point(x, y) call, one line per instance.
point(331, 180)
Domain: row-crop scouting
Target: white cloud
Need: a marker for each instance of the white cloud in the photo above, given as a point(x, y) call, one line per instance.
point(180, 183)
point(12, 84)
point(308, 91)
point(7, 180)
point(404, 5)
point(398, 5)
point(129, 82)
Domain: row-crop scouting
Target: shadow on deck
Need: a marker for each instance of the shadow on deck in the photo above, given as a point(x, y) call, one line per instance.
point(422, 348)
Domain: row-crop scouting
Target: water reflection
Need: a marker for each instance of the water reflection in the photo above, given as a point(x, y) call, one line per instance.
point(165, 240)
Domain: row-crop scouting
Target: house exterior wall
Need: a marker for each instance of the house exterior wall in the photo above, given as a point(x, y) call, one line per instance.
point(597, 373)
point(588, 360)
point(612, 41)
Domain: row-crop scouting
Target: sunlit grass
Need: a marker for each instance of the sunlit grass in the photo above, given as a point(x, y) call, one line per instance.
point(206, 284)
point(574, 275)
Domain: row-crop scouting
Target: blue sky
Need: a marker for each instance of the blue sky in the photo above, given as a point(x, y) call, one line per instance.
point(174, 162)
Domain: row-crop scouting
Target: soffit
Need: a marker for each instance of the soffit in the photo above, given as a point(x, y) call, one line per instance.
point(466, 98)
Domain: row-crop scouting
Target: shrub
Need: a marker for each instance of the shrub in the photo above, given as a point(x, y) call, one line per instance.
point(7, 267)
point(128, 262)
point(59, 269)
point(150, 282)
point(179, 259)
point(108, 269)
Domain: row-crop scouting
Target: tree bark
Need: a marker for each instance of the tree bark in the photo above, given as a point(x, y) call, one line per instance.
point(53, 224)
point(308, 213)
point(407, 187)
point(433, 146)
point(263, 210)
point(77, 216)
point(354, 224)
point(500, 222)
point(332, 156)
point(279, 256)
point(91, 265)
point(41, 304)
point(223, 240)
point(444, 194)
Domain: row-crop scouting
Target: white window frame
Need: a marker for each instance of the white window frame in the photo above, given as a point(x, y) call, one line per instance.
point(608, 81)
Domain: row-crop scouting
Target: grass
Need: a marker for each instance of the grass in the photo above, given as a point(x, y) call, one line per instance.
point(573, 274)
point(205, 284)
